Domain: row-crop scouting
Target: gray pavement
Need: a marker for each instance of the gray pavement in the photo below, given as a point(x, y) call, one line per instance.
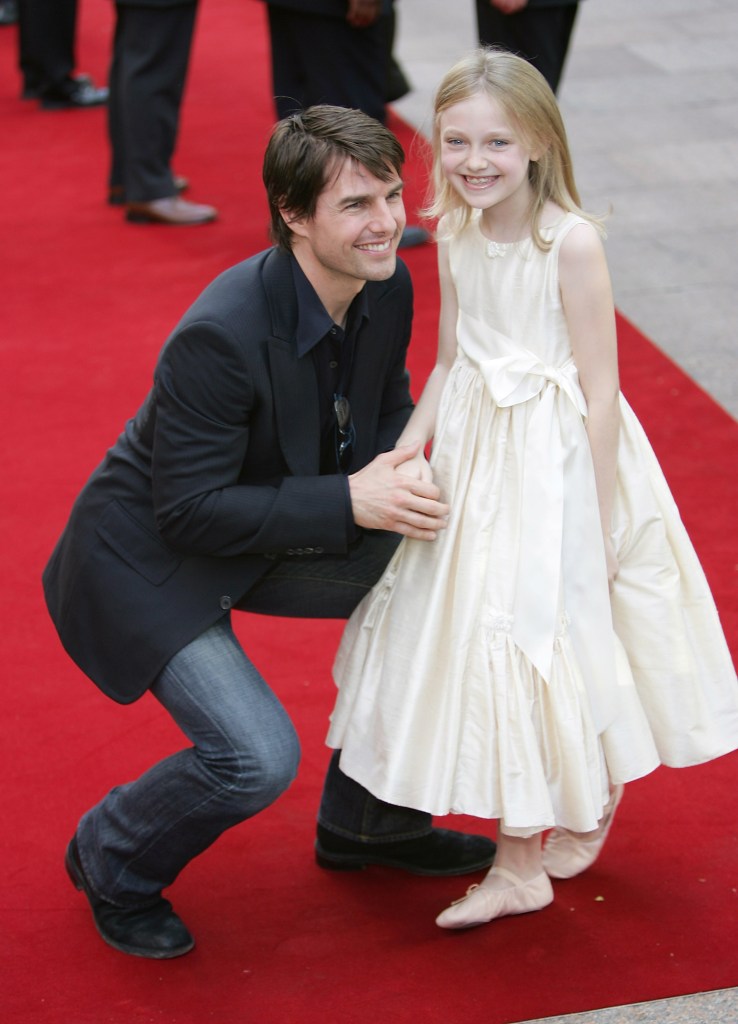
point(650, 99)
point(719, 1007)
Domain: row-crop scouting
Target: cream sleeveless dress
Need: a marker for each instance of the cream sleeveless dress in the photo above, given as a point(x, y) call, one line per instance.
point(492, 672)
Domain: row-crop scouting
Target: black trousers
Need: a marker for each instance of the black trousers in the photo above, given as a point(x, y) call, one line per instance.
point(540, 34)
point(151, 53)
point(320, 59)
point(331, 586)
point(46, 35)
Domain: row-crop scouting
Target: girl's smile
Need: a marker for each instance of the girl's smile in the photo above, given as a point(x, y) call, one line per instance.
point(481, 182)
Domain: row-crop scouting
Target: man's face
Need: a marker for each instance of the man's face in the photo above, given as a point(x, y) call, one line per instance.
point(354, 233)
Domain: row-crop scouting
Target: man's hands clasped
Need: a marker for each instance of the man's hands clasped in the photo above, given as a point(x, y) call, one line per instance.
point(395, 492)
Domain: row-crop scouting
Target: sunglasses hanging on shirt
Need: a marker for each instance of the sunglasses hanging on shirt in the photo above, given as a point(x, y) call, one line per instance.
point(345, 432)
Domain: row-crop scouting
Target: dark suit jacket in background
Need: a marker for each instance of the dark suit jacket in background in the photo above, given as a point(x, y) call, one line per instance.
point(541, 32)
point(218, 470)
point(317, 57)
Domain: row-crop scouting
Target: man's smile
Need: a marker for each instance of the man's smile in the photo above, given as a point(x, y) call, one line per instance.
point(375, 246)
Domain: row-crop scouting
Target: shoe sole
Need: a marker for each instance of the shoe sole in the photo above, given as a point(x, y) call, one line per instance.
point(67, 105)
point(146, 218)
point(119, 199)
point(78, 881)
point(358, 862)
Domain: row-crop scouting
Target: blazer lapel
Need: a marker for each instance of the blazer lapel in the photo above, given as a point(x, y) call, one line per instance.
point(295, 390)
point(294, 381)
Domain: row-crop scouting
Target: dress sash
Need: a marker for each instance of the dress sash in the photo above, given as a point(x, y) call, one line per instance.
point(561, 581)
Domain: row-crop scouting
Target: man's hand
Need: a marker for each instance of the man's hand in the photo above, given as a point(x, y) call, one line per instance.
point(363, 12)
point(383, 498)
point(509, 6)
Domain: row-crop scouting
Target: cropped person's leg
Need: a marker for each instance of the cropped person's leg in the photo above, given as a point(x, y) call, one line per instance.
point(116, 134)
point(245, 753)
point(47, 29)
point(47, 32)
point(150, 64)
point(153, 53)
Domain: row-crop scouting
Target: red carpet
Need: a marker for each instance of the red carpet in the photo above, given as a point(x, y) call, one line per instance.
point(87, 302)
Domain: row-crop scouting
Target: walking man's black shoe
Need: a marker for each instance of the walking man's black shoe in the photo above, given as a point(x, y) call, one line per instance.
point(153, 930)
point(440, 852)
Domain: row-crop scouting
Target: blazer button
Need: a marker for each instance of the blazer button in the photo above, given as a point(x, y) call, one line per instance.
point(226, 602)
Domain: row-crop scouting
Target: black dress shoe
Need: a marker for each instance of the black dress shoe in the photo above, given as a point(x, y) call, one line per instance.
point(441, 852)
point(77, 92)
point(32, 90)
point(152, 931)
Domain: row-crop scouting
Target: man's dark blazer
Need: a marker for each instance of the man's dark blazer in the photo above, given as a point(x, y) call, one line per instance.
point(218, 472)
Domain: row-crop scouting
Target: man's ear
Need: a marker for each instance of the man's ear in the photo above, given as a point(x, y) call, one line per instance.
point(295, 224)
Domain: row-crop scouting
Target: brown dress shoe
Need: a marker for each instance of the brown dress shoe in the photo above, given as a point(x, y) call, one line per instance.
point(117, 194)
point(170, 210)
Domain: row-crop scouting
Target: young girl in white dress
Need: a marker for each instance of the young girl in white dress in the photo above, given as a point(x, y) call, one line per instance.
point(558, 638)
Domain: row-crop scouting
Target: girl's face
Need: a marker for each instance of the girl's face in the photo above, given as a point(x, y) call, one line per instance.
point(483, 157)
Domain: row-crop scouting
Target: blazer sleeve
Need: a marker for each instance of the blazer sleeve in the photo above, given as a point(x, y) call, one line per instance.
point(212, 496)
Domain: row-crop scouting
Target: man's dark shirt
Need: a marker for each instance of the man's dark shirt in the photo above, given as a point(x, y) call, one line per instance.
point(331, 348)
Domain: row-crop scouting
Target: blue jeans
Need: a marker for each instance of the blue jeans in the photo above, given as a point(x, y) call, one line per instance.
point(245, 750)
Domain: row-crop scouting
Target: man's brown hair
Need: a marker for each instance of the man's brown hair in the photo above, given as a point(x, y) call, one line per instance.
point(307, 148)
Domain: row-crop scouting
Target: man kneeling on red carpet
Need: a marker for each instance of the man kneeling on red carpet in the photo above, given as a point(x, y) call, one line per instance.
point(259, 474)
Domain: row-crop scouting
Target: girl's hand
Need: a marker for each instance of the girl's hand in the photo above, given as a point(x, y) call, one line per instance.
point(611, 560)
point(417, 468)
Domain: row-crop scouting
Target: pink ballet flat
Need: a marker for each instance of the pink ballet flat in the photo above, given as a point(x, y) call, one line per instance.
point(482, 904)
point(566, 854)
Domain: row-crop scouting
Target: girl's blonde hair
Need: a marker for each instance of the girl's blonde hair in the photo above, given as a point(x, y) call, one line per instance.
point(527, 100)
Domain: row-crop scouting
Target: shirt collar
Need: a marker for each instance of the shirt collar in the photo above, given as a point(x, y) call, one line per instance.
point(313, 321)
